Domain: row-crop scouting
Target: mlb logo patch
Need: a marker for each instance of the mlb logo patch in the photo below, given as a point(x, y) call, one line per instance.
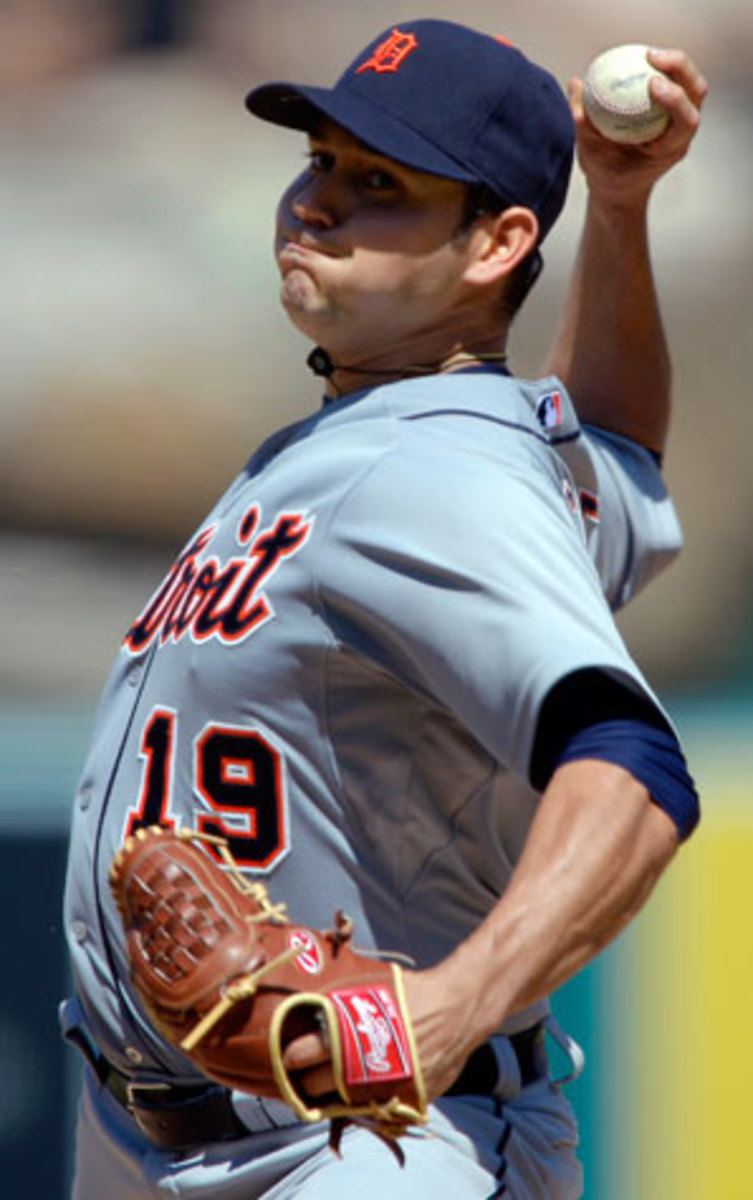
point(549, 410)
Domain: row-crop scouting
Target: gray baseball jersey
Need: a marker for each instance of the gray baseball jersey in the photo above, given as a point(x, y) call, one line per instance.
point(343, 670)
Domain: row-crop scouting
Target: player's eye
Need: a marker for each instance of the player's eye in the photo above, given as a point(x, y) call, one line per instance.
point(320, 162)
point(375, 179)
point(374, 182)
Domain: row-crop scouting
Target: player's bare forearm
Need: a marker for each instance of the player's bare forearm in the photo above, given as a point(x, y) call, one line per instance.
point(594, 852)
point(610, 348)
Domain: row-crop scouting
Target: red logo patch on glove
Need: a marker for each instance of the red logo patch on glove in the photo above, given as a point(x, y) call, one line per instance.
point(310, 959)
point(374, 1038)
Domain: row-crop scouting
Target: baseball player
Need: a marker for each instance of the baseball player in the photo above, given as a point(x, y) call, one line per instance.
point(385, 667)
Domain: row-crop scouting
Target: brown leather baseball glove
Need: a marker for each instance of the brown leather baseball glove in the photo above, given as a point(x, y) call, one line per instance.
point(227, 978)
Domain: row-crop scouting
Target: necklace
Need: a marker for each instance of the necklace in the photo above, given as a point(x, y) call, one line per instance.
point(320, 363)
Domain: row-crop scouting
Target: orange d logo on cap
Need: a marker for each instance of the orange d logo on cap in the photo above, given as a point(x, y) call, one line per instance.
point(391, 53)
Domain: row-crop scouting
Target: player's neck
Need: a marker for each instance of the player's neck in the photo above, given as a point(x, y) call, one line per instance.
point(343, 378)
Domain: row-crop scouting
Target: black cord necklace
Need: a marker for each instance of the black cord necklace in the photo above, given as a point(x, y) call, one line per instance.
point(320, 363)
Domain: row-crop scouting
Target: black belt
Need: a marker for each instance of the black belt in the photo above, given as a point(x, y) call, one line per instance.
point(180, 1118)
point(177, 1118)
point(480, 1075)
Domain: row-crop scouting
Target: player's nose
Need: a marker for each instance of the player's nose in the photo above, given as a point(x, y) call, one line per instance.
point(318, 202)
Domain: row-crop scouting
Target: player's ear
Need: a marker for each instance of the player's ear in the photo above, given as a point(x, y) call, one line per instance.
point(502, 240)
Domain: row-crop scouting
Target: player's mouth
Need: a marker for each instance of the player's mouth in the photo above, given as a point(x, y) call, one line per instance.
point(298, 250)
point(291, 254)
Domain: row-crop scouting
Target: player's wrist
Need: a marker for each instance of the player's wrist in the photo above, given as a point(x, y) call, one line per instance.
point(616, 209)
point(474, 993)
point(439, 1007)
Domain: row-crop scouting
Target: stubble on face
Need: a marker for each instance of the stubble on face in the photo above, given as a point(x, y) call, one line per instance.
point(368, 250)
point(299, 293)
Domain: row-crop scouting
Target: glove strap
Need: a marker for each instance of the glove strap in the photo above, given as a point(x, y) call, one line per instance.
point(372, 1047)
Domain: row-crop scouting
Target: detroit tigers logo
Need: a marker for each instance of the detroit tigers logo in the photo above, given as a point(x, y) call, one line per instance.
point(391, 53)
point(206, 598)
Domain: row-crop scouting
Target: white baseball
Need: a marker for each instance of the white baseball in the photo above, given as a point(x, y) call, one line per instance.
point(617, 98)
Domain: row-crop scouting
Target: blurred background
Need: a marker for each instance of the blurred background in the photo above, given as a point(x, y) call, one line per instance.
point(144, 355)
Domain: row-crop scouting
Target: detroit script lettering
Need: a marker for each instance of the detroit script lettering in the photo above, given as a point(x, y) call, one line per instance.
point(205, 598)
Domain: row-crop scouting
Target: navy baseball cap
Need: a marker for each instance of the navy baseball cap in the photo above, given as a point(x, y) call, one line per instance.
point(443, 98)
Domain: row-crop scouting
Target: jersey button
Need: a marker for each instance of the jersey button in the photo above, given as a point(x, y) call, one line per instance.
point(133, 1055)
point(85, 799)
point(134, 675)
point(79, 930)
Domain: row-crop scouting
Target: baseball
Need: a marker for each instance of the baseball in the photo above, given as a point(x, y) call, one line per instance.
point(617, 98)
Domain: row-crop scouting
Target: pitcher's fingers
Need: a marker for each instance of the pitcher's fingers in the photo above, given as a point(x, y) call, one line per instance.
point(683, 71)
point(308, 1050)
point(319, 1081)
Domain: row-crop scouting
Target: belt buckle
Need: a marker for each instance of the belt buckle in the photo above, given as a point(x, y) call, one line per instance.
point(133, 1088)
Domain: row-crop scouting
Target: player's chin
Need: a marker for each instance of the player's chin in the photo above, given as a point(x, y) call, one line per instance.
point(297, 286)
point(300, 295)
point(306, 307)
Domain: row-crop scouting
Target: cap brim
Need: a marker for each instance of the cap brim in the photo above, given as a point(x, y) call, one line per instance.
point(298, 107)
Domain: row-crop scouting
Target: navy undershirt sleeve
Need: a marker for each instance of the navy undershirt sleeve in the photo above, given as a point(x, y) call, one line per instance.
point(652, 756)
point(590, 714)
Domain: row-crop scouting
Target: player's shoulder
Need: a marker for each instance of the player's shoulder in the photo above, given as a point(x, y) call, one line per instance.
point(500, 420)
point(486, 431)
point(540, 408)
